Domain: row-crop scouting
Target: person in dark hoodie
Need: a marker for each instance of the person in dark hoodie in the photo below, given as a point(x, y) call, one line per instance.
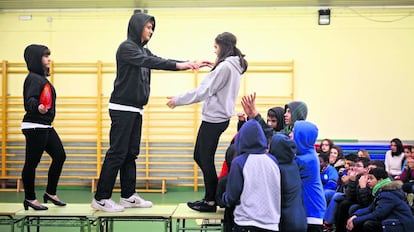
point(38, 130)
point(218, 91)
point(275, 118)
point(275, 121)
point(253, 184)
point(126, 105)
point(305, 134)
point(294, 111)
point(293, 217)
point(389, 205)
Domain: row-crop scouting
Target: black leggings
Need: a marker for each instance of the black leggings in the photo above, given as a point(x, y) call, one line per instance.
point(204, 151)
point(39, 140)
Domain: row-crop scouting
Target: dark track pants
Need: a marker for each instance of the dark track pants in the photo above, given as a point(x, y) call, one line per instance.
point(125, 139)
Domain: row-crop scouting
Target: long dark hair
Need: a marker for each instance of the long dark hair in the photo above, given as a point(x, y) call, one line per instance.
point(227, 42)
point(400, 147)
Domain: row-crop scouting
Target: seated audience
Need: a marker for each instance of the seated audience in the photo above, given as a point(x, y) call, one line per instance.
point(407, 154)
point(329, 177)
point(356, 193)
point(363, 153)
point(336, 158)
point(339, 195)
point(325, 146)
point(343, 180)
point(394, 158)
point(407, 177)
point(389, 203)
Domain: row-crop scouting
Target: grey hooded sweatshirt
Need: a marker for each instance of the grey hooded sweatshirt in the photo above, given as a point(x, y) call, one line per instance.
point(218, 90)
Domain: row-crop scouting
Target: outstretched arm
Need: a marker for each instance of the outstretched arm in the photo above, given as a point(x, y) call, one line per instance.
point(187, 65)
point(203, 64)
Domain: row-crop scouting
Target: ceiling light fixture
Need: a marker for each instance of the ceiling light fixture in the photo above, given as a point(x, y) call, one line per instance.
point(324, 16)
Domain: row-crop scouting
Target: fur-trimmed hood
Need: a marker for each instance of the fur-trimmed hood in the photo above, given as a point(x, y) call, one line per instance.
point(393, 185)
point(391, 199)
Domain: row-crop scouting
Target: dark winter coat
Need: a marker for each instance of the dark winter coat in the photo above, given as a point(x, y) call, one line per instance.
point(389, 203)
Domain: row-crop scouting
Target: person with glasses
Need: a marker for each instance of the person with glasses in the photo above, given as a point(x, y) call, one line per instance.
point(325, 146)
point(334, 197)
point(357, 193)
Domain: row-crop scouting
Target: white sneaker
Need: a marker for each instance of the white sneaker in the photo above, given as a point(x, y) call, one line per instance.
point(135, 201)
point(107, 205)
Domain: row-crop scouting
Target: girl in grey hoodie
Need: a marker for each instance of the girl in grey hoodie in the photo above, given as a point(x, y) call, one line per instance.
point(218, 91)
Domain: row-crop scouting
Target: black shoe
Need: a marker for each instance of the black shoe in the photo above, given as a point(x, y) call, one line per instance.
point(191, 203)
point(202, 206)
point(46, 198)
point(27, 204)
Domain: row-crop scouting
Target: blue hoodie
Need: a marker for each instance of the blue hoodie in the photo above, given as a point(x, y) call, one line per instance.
point(253, 184)
point(293, 218)
point(305, 134)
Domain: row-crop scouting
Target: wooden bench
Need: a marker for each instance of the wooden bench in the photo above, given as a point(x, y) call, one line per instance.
point(72, 215)
point(183, 213)
point(160, 213)
point(8, 213)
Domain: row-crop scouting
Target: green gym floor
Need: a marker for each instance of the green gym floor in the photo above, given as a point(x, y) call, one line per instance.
point(175, 195)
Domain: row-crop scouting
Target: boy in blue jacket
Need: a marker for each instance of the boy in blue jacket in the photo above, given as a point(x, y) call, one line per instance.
point(305, 134)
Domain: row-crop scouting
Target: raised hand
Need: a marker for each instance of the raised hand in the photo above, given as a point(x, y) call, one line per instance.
point(249, 105)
